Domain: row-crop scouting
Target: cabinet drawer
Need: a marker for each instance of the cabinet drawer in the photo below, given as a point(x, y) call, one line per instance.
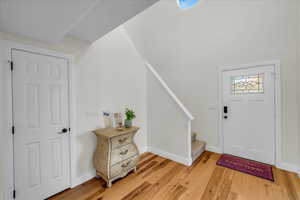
point(123, 153)
point(122, 168)
point(121, 140)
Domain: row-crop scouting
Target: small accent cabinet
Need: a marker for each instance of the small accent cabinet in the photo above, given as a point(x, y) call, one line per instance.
point(116, 154)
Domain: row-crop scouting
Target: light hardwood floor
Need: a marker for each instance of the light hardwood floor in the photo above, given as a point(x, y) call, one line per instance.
point(158, 178)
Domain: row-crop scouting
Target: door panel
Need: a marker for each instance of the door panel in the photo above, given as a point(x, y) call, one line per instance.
point(34, 168)
point(55, 104)
point(249, 130)
point(40, 100)
point(32, 92)
point(56, 157)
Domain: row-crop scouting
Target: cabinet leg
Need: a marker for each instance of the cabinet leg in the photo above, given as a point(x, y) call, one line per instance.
point(109, 184)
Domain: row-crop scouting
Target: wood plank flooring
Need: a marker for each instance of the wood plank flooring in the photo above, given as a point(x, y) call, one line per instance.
point(160, 179)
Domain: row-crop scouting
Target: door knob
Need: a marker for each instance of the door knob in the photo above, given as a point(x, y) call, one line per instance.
point(63, 131)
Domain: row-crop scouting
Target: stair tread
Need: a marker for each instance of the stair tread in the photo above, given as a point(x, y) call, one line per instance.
point(198, 147)
point(197, 144)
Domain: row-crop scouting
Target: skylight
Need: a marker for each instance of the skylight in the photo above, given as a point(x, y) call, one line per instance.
point(187, 3)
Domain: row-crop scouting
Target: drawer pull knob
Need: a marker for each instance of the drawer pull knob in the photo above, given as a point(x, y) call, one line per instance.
point(121, 141)
point(126, 164)
point(122, 153)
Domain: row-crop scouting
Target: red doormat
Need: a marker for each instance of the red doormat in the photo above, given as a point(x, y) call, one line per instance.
point(247, 166)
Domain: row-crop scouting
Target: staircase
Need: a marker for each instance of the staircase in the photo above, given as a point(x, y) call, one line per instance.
point(198, 147)
point(168, 139)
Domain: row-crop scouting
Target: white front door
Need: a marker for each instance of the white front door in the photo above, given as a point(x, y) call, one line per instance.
point(40, 113)
point(249, 113)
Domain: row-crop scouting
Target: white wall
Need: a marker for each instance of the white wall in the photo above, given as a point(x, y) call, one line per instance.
point(2, 121)
point(167, 123)
point(298, 76)
point(187, 47)
point(111, 75)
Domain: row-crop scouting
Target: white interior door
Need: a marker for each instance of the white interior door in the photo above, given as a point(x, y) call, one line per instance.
point(249, 124)
point(41, 148)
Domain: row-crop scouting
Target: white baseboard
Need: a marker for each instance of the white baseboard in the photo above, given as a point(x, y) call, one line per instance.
point(176, 158)
point(214, 149)
point(288, 167)
point(143, 150)
point(84, 178)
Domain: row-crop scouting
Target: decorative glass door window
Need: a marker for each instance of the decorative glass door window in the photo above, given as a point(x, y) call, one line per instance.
point(247, 84)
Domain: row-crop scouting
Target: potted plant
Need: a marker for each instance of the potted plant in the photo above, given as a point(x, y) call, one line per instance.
point(130, 115)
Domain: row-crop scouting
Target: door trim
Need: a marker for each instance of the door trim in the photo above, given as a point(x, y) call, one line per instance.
point(278, 137)
point(7, 48)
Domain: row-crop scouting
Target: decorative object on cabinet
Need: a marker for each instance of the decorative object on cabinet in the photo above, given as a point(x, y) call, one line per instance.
point(118, 120)
point(107, 119)
point(130, 115)
point(116, 154)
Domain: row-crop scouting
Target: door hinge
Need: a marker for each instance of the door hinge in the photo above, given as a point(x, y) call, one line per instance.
point(14, 194)
point(13, 130)
point(11, 65)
